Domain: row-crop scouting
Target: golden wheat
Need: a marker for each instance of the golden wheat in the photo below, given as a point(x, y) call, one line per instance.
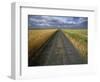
point(36, 38)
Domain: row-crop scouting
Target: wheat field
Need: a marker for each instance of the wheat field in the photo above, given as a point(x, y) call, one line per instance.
point(37, 37)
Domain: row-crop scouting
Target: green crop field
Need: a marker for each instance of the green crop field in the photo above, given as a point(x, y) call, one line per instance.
point(79, 39)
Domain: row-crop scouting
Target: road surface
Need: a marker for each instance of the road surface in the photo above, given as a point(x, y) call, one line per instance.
point(58, 50)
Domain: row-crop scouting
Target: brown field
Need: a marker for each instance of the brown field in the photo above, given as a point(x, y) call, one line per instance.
point(37, 37)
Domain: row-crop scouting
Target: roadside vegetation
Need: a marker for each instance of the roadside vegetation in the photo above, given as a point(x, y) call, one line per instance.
point(79, 39)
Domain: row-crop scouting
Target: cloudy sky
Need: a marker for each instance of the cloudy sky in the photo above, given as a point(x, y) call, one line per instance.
point(40, 21)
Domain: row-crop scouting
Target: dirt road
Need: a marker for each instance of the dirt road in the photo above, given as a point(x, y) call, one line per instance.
point(58, 50)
